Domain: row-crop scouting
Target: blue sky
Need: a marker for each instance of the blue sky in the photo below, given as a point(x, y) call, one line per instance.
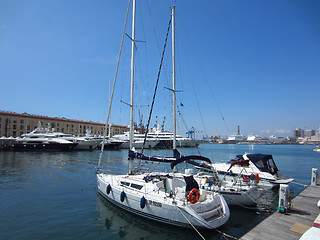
point(252, 63)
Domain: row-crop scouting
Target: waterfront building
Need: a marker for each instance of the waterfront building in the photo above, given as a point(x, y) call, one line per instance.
point(315, 139)
point(310, 132)
point(276, 140)
point(298, 133)
point(15, 124)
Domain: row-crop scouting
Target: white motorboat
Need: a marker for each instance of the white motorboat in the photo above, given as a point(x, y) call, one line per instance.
point(236, 139)
point(162, 197)
point(165, 139)
point(156, 138)
point(43, 139)
point(138, 140)
point(111, 143)
point(139, 144)
point(47, 138)
point(317, 149)
point(251, 166)
point(82, 143)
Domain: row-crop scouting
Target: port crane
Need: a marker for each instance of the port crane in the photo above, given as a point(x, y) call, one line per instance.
point(191, 133)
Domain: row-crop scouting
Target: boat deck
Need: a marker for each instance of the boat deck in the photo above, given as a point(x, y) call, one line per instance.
point(293, 224)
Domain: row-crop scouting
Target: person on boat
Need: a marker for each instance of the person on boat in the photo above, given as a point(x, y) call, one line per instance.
point(190, 183)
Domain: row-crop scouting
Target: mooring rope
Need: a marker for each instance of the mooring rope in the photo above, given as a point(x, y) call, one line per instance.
point(222, 233)
point(300, 184)
point(225, 235)
point(191, 223)
point(88, 183)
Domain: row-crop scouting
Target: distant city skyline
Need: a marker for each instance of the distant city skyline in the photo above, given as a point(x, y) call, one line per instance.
point(249, 63)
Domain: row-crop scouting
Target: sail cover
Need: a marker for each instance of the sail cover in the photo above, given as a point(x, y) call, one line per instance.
point(199, 165)
point(178, 158)
point(189, 159)
point(141, 156)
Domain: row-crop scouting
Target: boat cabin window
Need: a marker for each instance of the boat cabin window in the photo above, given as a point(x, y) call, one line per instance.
point(133, 185)
point(267, 165)
point(260, 164)
point(272, 166)
point(136, 186)
point(125, 184)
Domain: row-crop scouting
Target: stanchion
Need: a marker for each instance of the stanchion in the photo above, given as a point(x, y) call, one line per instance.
point(314, 177)
point(284, 198)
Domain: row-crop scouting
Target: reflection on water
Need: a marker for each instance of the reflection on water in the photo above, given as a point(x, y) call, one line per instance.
point(25, 167)
point(129, 226)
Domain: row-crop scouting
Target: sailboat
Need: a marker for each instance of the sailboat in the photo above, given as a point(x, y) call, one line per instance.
point(234, 190)
point(246, 166)
point(162, 197)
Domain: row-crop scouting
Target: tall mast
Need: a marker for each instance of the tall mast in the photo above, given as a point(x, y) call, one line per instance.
point(132, 73)
point(132, 79)
point(173, 80)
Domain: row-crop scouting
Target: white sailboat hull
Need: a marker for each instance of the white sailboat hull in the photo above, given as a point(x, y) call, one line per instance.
point(241, 198)
point(266, 180)
point(235, 193)
point(159, 206)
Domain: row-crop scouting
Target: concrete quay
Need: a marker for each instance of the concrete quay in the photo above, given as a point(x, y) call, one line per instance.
point(294, 223)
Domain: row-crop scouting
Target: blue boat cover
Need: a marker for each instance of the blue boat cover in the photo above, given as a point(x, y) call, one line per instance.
point(141, 156)
point(189, 159)
point(176, 159)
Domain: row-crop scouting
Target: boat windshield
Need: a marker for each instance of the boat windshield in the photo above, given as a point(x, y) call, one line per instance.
point(272, 166)
point(264, 162)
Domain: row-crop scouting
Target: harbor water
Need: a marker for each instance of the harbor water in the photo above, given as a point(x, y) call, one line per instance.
point(53, 195)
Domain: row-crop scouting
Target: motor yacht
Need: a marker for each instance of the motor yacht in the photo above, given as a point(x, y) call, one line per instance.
point(43, 139)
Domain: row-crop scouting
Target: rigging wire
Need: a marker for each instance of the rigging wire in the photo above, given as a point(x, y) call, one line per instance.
point(208, 85)
point(141, 85)
point(156, 37)
point(196, 97)
point(155, 90)
point(193, 87)
point(114, 85)
point(164, 97)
